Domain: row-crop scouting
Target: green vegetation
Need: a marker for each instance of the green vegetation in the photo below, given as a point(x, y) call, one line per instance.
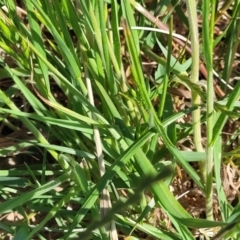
point(95, 118)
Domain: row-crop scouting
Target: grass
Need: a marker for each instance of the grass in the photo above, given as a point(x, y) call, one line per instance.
point(101, 148)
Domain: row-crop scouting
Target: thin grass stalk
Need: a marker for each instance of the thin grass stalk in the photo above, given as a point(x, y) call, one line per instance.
point(166, 79)
point(208, 51)
point(196, 100)
point(105, 201)
point(116, 43)
point(37, 41)
point(104, 42)
point(223, 9)
point(232, 44)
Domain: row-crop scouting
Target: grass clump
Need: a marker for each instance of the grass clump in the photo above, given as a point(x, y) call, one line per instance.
point(99, 140)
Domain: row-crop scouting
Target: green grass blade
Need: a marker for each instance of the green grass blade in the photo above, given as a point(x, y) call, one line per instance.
point(13, 203)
